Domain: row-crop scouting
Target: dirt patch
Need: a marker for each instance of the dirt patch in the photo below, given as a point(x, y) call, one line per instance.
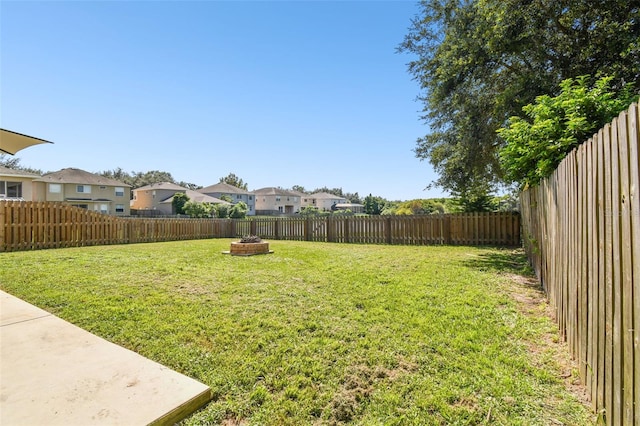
point(358, 385)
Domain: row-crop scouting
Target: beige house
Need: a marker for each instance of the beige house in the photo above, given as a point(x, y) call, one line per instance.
point(276, 201)
point(83, 189)
point(236, 194)
point(157, 198)
point(16, 184)
point(323, 201)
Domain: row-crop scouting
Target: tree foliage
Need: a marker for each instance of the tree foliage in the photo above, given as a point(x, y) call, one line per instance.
point(478, 62)
point(198, 210)
point(234, 180)
point(221, 211)
point(374, 205)
point(140, 179)
point(178, 202)
point(554, 125)
point(238, 210)
point(11, 162)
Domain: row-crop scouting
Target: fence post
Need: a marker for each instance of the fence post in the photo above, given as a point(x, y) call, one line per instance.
point(329, 230)
point(307, 229)
point(276, 228)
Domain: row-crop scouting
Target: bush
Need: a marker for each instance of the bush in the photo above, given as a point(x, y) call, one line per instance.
point(553, 126)
point(238, 211)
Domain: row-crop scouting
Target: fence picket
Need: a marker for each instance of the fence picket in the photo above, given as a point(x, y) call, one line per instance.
point(581, 231)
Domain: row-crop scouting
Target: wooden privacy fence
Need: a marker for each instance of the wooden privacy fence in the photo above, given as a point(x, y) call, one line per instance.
point(581, 230)
point(28, 225)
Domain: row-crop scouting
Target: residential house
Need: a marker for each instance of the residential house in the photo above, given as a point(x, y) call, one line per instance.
point(157, 198)
point(352, 207)
point(323, 201)
point(83, 189)
point(223, 189)
point(277, 201)
point(16, 184)
point(167, 205)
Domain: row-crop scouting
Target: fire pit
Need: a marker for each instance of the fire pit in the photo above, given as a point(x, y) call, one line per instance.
point(248, 246)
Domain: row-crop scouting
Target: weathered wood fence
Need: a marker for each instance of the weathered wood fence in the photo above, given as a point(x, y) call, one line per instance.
point(581, 230)
point(37, 225)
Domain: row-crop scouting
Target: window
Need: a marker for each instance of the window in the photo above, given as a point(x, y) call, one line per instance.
point(10, 189)
point(280, 209)
point(119, 191)
point(119, 208)
point(14, 189)
point(103, 187)
point(84, 189)
point(104, 208)
point(55, 188)
point(82, 206)
point(250, 198)
point(277, 199)
point(238, 196)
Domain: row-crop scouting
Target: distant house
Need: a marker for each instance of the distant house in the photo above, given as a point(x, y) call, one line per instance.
point(158, 198)
point(277, 201)
point(236, 194)
point(323, 200)
point(83, 189)
point(354, 208)
point(16, 184)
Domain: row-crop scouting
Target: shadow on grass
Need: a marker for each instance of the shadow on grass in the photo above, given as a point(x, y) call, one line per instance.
point(505, 260)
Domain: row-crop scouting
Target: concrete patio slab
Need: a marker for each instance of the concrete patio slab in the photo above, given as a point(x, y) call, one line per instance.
point(54, 373)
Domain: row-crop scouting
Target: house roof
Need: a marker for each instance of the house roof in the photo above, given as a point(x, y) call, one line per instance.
point(222, 187)
point(198, 197)
point(326, 196)
point(5, 171)
point(162, 185)
point(71, 175)
point(271, 190)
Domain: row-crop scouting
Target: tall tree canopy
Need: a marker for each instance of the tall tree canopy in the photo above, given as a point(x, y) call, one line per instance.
point(478, 62)
point(234, 180)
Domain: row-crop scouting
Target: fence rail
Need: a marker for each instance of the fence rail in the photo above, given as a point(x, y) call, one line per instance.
point(581, 230)
point(28, 225)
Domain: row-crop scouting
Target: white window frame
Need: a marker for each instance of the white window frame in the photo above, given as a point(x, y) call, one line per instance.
point(83, 189)
point(55, 188)
point(119, 190)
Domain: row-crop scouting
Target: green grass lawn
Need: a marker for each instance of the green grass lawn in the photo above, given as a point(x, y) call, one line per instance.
point(320, 333)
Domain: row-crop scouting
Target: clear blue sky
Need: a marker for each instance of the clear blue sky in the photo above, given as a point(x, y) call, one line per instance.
point(280, 93)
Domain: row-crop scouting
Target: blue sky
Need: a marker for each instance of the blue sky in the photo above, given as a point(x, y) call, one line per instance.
point(280, 93)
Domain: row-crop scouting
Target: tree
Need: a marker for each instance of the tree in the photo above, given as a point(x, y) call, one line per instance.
point(222, 210)
point(478, 62)
point(298, 188)
point(373, 205)
point(198, 210)
point(553, 126)
point(11, 162)
point(180, 199)
point(422, 206)
point(238, 210)
point(234, 180)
